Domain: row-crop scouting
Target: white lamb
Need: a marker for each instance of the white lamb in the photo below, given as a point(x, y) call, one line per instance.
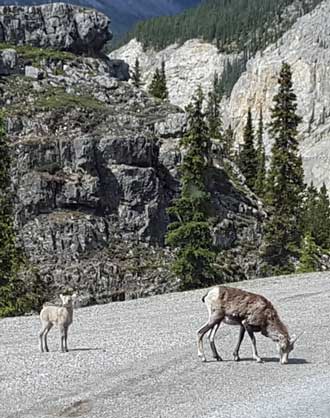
point(57, 315)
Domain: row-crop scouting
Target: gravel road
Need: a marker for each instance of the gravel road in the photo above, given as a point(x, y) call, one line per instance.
point(138, 359)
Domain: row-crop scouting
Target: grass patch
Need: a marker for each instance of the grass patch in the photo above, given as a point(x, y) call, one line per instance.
point(36, 55)
point(59, 99)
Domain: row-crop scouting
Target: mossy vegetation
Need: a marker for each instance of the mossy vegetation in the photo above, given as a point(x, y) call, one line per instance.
point(36, 55)
point(57, 98)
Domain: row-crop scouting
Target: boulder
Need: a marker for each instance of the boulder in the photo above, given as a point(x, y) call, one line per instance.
point(59, 26)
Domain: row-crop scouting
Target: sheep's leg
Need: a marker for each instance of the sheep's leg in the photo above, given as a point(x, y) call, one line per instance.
point(42, 336)
point(212, 343)
point(202, 331)
point(45, 336)
point(66, 339)
point(254, 344)
point(240, 339)
point(62, 337)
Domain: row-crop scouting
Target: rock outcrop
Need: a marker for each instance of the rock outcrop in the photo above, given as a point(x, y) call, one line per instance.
point(188, 66)
point(306, 47)
point(59, 26)
point(94, 171)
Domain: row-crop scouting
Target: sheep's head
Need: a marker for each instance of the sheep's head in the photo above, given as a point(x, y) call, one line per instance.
point(68, 300)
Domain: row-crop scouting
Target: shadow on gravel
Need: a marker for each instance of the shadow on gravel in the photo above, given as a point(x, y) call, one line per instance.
point(291, 360)
point(87, 349)
point(265, 360)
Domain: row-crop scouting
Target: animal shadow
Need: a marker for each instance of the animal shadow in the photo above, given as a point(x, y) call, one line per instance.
point(87, 349)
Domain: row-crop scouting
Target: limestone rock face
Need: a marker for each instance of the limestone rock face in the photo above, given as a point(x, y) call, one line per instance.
point(306, 47)
point(58, 26)
point(187, 66)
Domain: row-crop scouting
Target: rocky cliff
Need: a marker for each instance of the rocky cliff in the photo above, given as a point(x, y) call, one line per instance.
point(305, 47)
point(187, 66)
point(94, 170)
point(124, 13)
point(59, 26)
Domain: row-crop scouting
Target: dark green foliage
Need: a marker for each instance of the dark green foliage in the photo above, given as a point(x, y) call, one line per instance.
point(285, 185)
point(189, 232)
point(212, 113)
point(228, 143)
point(231, 73)
point(7, 236)
point(248, 160)
point(235, 25)
point(16, 295)
point(158, 87)
point(136, 74)
point(317, 216)
point(321, 230)
point(310, 255)
point(260, 184)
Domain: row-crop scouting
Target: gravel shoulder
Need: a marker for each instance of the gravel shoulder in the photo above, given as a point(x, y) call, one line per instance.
point(139, 359)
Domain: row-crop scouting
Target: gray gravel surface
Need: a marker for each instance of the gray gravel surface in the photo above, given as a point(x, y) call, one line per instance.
point(138, 359)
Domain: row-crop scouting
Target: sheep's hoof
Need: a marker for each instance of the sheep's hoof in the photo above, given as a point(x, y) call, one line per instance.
point(237, 358)
point(218, 358)
point(259, 360)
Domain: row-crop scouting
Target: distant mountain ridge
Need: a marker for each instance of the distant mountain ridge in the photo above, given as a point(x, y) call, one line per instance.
point(123, 13)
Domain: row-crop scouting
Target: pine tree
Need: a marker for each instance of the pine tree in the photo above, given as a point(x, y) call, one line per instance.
point(164, 91)
point(158, 87)
point(247, 159)
point(321, 220)
point(155, 86)
point(285, 185)
point(136, 74)
point(8, 251)
point(310, 208)
point(310, 253)
point(7, 237)
point(260, 182)
point(190, 232)
point(213, 115)
point(228, 143)
point(16, 295)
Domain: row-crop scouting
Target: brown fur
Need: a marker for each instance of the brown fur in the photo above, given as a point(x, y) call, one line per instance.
point(252, 312)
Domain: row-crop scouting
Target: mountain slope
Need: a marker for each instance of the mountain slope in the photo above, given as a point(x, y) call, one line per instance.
point(236, 25)
point(305, 47)
point(124, 13)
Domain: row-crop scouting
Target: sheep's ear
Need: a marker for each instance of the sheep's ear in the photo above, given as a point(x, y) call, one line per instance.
point(62, 298)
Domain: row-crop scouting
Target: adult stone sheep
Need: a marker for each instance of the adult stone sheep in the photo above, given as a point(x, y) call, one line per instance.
point(57, 315)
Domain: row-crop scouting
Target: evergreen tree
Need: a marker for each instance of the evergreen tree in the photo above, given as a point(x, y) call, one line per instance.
point(213, 115)
point(7, 237)
point(16, 296)
point(310, 253)
point(321, 219)
point(228, 143)
point(190, 232)
point(136, 74)
point(158, 87)
point(164, 91)
point(248, 162)
point(260, 185)
point(285, 185)
point(310, 209)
